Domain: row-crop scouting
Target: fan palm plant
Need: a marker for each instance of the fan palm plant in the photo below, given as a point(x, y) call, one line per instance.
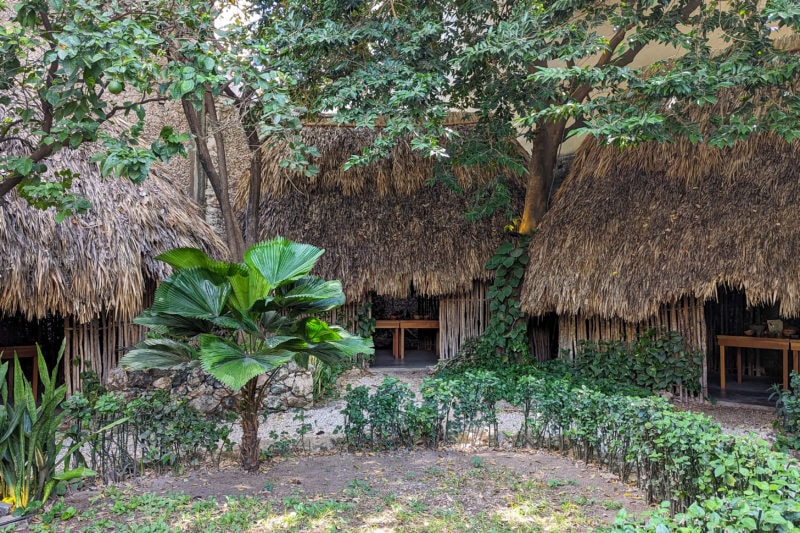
point(243, 321)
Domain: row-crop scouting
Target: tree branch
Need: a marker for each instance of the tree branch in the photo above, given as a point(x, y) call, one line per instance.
point(42, 152)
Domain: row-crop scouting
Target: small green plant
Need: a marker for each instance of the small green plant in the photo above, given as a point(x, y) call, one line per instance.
point(152, 430)
point(35, 454)
point(787, 406)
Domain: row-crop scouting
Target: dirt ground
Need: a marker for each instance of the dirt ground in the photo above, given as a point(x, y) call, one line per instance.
point(413, 475)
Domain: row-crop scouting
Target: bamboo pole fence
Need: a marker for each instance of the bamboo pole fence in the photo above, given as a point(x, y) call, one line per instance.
point(461, 317)
point(686, 316)
point(98, 345)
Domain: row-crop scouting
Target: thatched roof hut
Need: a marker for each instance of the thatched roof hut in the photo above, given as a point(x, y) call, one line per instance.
point(94, 270)
point(384, 230)
point(648, 235)
point(630, 231)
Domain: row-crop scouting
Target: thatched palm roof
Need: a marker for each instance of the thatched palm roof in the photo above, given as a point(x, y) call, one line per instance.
point(382, 227)
point(629, 231)
point(96, 262)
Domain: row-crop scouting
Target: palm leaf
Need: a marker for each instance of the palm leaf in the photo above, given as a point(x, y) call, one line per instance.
point(180, 258)
point(247, 290)
point(309, 294)
point(158, 353)
point(175, 325)
point(233, 366)
point(280, 261)
point(192, 293)
point(334, 352)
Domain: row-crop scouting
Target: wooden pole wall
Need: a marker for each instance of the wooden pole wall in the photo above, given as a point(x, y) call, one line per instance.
point(687, 317)
point(461, 317)
point(98, 345)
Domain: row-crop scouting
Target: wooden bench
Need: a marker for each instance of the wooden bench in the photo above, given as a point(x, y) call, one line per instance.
point(23, 352)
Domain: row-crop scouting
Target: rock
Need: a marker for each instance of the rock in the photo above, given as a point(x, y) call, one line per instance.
point(205, 403)
point(139, 379)
point(296, 401)
point(163, 383)
point(221, 393)
point(117, 379)
point(274, 403)
point(303, 385)
point(195, 379)
point(278, 389)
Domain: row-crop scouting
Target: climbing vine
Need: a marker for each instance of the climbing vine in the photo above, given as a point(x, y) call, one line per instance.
point(506, 332)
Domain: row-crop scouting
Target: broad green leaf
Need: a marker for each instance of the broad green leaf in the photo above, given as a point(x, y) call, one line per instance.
point(247, 290)
point(176, 325)
point(192, 292)
point(158, 353)
point(180, 258)
point(280, 261)
point(309, 294)
point(232, 365)
point(75, 473)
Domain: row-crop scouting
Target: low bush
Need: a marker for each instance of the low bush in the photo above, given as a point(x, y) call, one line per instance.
point(708, 479)
point(787, 405)
point(151, 430)
point(657, 360)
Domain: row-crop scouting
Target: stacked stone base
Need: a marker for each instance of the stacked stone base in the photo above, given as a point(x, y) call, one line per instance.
point(292, 387)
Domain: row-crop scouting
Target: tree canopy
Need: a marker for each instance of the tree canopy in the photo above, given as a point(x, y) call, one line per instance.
point(543, 69)
point(84, 71)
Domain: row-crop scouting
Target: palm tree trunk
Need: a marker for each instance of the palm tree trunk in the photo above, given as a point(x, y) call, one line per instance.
point(249, 448)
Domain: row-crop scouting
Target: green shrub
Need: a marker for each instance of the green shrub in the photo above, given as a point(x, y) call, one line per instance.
point(35, 456)
point(386, 419)
point(151, 430)
point(709, 480)
point(787, 405)
point(656, 360)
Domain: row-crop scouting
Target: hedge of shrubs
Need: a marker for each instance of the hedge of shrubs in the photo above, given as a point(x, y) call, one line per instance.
point(708, 480)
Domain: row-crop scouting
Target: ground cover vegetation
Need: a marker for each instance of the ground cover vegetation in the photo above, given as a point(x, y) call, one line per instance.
point(703, 478)
point(148, 433)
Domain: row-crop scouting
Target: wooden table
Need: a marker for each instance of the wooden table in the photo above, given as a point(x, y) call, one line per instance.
point(763, 343)
point(399, 327)
point(23, 352)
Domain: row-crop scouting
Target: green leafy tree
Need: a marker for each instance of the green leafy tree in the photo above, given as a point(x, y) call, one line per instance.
point(243, 321)
point(543, 69)
point(83, 73)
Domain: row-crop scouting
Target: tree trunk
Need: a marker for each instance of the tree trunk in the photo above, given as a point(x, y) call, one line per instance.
point(233, 233)
point(249, 448)
point(251, 211)
point(540, 174)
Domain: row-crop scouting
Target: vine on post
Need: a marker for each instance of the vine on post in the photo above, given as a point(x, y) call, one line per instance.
point(507, 331)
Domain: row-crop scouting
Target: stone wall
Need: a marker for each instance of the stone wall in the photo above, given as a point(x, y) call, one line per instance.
point(291, 388)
